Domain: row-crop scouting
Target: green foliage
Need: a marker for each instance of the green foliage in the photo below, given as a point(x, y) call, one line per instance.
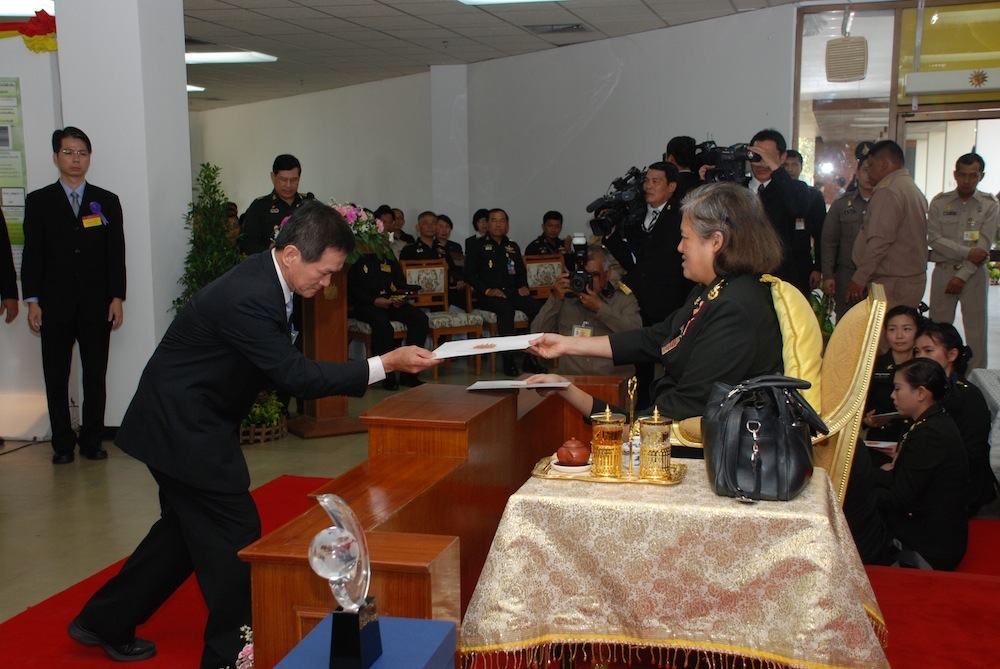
point(212, 250)
point(265, 412)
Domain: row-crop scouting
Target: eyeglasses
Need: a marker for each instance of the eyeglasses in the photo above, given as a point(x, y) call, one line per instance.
point(83, 153)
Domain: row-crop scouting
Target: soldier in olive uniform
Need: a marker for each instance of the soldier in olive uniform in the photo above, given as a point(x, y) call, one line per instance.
point(840, 229)
point(375, 291)
point(496, 270)
point(961, 227)
point(264, 215)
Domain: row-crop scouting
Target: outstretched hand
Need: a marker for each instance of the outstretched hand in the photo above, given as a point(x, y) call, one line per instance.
point(410, 359)
point(548, 346)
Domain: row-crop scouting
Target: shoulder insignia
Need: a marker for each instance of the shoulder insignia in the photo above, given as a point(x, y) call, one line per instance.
point(623, 288)
point(961, 384)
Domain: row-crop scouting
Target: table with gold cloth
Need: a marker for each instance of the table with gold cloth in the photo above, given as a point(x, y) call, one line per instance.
point(676, 569)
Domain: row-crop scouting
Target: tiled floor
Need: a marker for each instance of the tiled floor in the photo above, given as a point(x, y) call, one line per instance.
point(59, 525)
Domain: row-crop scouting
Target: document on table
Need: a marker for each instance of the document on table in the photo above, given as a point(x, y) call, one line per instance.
point(466, 347)
point(512, 384)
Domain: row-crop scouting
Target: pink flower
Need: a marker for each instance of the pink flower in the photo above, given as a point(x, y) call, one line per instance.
point(379, 226)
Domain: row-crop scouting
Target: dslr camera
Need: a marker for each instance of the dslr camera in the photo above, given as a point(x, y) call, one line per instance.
point(579, 278)
point(730, 162)
point(623, 205)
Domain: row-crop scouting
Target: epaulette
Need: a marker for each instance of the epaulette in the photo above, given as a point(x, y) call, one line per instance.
point(961, 384)
point(620, 285)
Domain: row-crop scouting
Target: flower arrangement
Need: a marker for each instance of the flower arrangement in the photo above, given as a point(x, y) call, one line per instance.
point(245, 659)
point(368, 230)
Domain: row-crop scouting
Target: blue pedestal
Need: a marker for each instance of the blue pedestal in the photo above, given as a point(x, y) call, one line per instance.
point(407, 643)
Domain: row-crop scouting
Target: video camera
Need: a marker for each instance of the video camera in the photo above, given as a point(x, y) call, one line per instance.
point(579, 278)
point(624, 204)
point(729, 162)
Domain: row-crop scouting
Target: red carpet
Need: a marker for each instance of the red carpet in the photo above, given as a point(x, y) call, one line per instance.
point(37, 637)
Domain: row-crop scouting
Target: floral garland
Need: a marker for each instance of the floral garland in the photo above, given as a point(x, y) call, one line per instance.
point(368, 230)
point(38, 32)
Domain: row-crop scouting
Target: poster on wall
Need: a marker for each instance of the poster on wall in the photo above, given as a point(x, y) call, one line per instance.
point(12, 168)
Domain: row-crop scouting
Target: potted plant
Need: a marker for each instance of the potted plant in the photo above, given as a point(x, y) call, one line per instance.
point(266, 420)
point(994, 271)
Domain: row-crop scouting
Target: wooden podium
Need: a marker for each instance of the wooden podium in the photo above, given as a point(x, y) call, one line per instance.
point(324, 332)
point(442, 462)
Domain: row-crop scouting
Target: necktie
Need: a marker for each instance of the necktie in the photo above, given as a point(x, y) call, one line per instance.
point(74, 201)
point(652, 220)
point(760, 188)
point(288, 311)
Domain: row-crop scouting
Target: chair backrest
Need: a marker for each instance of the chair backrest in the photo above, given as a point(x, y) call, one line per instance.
point(543, 270)
point(432, 277)
point(846, 374)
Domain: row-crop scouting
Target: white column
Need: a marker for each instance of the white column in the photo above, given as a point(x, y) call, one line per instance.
point(122, 78)
point(450, 146)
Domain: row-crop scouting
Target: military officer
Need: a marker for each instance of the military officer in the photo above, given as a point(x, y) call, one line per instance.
point(840, 229)
point(600, 310)
point(376, 292)
point(496, 270)
point(264, 215)
point(427, 247)
point(961, 227)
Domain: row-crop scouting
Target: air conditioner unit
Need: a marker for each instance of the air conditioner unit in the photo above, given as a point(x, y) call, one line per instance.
point(846, 59)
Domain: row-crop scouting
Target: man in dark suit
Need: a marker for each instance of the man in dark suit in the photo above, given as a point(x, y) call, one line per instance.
point(73, 272)
point(230, 342)
point(8, 277)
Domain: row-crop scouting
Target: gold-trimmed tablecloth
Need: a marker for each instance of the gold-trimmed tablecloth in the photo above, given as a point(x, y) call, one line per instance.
point(629, 566)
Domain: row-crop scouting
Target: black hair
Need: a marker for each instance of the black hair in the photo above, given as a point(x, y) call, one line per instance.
point(384, 209)
point(905, 310)
point(682, 148)
point(69, 131)
point(447, 219)
point(493, 211)
point(426, 213)
point(552, 215)
point(946, 335)
point(792, 153)
point(313, 228)
point(971, 159)
point(890, 149)
point(774, 136)
point(285, 161)
point(480, 214)
point(925, 373)
point(667, 168)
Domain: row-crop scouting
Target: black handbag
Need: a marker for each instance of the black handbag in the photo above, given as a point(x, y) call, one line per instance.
point(757, 438)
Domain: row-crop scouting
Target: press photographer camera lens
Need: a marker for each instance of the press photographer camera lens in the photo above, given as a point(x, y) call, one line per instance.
point(579, 278)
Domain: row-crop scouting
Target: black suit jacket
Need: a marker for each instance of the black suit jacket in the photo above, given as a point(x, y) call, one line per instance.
point(226, 345)
point(8, 275)
point(657, 279)
point(784, 202)
point(66, 264)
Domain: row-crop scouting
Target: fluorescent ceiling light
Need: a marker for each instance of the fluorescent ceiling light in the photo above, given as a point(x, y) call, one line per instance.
point(206, 57)
point(502, 2)
point(27, 7)
point(195, 89)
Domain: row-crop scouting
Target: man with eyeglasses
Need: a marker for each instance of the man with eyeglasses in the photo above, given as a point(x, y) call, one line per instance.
point(264, 215)
point(73, 275)
point(600, 310)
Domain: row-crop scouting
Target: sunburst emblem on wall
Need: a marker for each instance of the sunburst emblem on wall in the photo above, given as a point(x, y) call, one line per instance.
point(978, 78)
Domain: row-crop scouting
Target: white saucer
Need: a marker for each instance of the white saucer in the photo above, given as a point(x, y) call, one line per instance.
point(570, 469)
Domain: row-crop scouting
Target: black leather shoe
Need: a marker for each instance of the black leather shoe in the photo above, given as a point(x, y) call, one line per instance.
point(390, 383)
point(94, 454)
point(410, 380)
point(532, 365)
point(132, 651)
point(62, 458)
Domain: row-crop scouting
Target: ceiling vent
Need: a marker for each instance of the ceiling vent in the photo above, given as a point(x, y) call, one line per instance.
point(558, 29)
point(846, 57)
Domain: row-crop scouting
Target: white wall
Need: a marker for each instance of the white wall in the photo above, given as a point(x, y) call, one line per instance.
point(369, 143)
point(545, 131)
point(22, 391)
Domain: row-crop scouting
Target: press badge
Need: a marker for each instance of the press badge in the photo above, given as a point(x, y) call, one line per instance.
point(385, 267)
point(583, 330)
point(92, 221)
point(800, 224)
point(970, 236)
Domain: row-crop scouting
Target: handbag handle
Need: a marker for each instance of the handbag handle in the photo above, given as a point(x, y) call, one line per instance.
point(772, 381)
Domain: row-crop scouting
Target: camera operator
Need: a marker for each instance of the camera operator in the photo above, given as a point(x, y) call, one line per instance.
point(599, 309)
point(681, 152)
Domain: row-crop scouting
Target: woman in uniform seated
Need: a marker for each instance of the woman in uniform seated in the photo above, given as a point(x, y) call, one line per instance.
point(922, 492)
point(727, 330)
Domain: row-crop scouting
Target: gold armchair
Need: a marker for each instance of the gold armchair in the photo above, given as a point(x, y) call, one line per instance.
point(845, 374)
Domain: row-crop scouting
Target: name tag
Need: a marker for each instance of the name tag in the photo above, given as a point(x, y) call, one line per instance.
point(670, 345)
point(91, 221)
point(800, 224)
point(583, 331)
point(386, 268)
point(971, 236)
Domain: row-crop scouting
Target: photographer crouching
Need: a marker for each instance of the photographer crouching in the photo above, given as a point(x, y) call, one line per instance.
point(586, 304)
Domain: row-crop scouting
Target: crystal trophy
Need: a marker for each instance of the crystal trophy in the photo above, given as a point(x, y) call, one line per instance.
point(339, 554)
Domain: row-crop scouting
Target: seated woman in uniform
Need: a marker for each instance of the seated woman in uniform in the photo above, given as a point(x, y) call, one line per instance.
point(902, 323)
point(921, 493)
point(727, 330)
point(965, 403)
